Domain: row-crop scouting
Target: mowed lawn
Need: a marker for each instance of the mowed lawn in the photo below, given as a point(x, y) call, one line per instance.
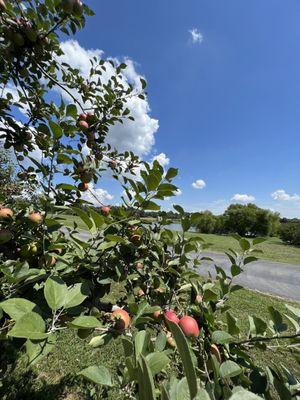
point(55, 376)
point(273, 248)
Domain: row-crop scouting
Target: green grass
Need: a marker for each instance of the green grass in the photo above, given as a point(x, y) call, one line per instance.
point(273, 249)
point(55, 376)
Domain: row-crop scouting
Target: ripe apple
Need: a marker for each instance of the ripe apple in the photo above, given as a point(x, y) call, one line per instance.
point(189, 326)
point(86, 176)
point(121, 318)
point(171, 316)
point(105, 210)
point(5, 236)
point(112, 163)
point(141, 293)
point(83, 124)
point(83, 187)
point(216, 352)
point(77, 8)
point(35, 218)
point(5, 213)
point(139, 265)
point(83, 117)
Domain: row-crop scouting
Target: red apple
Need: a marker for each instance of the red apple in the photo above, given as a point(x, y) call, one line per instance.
point(141, 293)
point(157, 314)
point(35, 218)
point(189, 326)
point(6, 213)
point(139, 265)
point(112, 163)
point(105, 210)
point(198, 299)
point(83, 124)
point(83, 187)
point(135, 239)
point(121, 318)
point(171, 316)
point(82, 117)
point(47, 261)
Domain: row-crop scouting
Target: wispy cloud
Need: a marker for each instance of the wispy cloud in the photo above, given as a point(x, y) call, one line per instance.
point(282, 195)
point(243, 198)
point(196, 36)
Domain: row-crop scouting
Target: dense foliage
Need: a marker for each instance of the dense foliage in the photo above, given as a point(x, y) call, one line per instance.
point(290, 232)
point(176, 346)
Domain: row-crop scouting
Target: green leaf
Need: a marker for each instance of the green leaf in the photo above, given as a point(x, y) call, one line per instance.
point(97, 218)
point(76, 295)
point(145, 380)
point(229, 369)
point(143, 83)
point(64, 159)
point(157, 362)
point(150, 205)
point(84, 217)
point(221, 337)
point(36, 350)
point(258, 241)
point(29, 326)
point(245, 244)
point(257, 325)
point(17, 307)
point(171, 173)
point(141, 342)
point(71, 111)
point(233, 329)
point(278, 324)
point(179, 209)
point(160, 342)
point(186, 357)
point(56, 130)
point(97, 374)
point(55, 292)
point(85, 322)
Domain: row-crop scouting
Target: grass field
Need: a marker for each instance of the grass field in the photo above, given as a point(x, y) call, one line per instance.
point(273, 249)
point(55, 377)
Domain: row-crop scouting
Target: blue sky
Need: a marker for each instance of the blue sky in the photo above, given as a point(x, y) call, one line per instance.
point(227, 104)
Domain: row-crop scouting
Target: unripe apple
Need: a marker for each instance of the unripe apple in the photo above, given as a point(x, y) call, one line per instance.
point(105, 210)
point(157, 314)
point(47, 261)
point(31, 34)
point(5, 213)
point(112, 163)
point(171, 316)
point(86, 177)
point(171, 342)
point(67, 6)
point(141, 293)
point(35, 218)
point(29, 250)
point(189, 326)
point(139, 266)
point(5, 236)
point(83, 124)
point(216, 352)
point(83, 187)
point(121, 318)
point(18, 39)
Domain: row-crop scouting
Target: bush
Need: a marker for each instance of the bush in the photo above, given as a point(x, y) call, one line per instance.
point(290, 233)
point(205, 222)
point(250, 220)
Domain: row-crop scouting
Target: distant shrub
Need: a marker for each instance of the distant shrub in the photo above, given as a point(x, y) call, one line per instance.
point(290, 232)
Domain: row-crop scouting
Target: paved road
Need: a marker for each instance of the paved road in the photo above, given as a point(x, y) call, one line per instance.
point(266, 276)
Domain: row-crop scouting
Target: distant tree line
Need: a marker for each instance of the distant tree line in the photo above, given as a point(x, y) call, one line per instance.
point(290, 231)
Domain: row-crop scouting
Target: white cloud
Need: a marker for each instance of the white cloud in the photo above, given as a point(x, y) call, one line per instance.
point(243, 198)
point(178, 192)
point(281, 195)
point(97, 196)
point(137, 135)
point(199, 184)
point(162, 159)
point(196, 35)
